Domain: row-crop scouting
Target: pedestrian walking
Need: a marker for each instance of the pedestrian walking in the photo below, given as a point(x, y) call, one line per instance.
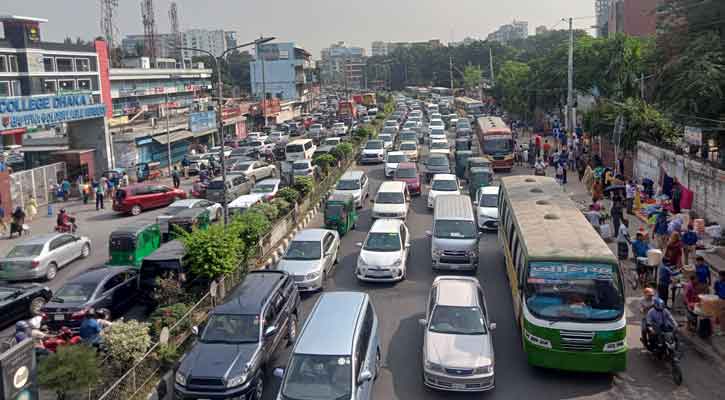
point(630, 190)
point(3, 225)
point(124, 180)
point(673, 251)
point(664, 279)
point(719, 289)
point(660, 232)
point(86, 192)
point(65, 189)
point(100, 193)
point(31, 208)
point(185, 163)
point(547, 150)
point(525, 157)
point(572, 159)
point(689, 241)
point(623, 241)
point(676, 197)
point(175, 177)
point(616, 212)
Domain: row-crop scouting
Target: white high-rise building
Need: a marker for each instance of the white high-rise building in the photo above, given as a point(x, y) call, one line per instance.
point(214, 41)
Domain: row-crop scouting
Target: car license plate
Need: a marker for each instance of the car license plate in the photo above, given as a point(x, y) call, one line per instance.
point(458, 386)
point(59, 317)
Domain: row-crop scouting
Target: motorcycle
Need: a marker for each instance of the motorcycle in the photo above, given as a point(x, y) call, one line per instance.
point(665, 347)
point(70, 228)
point(64, 337)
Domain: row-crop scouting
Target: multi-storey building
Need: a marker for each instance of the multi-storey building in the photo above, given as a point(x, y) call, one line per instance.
point(285, 72)
point(633, 17)
point(214, 41)
point(541, 29)
point(343, 65)
point(379, 48)
point(509, 32)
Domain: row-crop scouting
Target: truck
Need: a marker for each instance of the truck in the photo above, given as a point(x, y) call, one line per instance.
point(357, 98)
point(347, 108)
point(368, 99)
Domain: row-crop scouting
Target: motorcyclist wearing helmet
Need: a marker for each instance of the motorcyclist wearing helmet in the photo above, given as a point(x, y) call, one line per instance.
point(659, 318)
point(63, 220)
point(22, 331)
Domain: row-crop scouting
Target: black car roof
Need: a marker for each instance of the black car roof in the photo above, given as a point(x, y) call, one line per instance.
point(96, 275)
point(172, 250)
point(249, 297)
point(132, 229)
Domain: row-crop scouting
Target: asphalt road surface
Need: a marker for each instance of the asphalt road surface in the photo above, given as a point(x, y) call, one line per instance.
point(399, 306)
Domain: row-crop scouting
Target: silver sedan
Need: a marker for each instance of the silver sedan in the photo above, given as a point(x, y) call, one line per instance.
point(40, 257)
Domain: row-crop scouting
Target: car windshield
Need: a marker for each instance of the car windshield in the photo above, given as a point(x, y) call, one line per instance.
point(299, 250)
point(233, 329)
point(444, 185)
point(457, 320)
point(381, 241)
point(214, 185)
point(25, 250)
point(75, 292)
point(295, 148)
point(436, 123)
point(334, 210)
point(408, 146)
point(318, 377)
point(437, 161)
point(351, 184)
point(331, 142)
point(464, 124)
point(454, 229)
point(488, 200)
point(497, 146)
point(241, 166)
point(558, 291)
point(405, 173)
point(302, 165)
point(374, 145)
point(397, 158)
point(173, 210)
point(439, 145)
point(268, 188)
point(390, 198)
point(408, 136)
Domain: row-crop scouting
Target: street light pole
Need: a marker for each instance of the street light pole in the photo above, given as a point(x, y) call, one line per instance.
point(220, 121)
point(264, 85)
point(168, 134)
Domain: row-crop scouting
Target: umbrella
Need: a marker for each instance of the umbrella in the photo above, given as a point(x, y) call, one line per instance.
point(613, 188)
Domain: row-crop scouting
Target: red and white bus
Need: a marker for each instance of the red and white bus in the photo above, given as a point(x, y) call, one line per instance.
point(496, 142)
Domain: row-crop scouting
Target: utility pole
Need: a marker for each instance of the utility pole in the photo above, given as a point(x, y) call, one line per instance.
point(168, 133)
point(450, 70)
point(264, 84)
point(490, 65)
point(570, 123)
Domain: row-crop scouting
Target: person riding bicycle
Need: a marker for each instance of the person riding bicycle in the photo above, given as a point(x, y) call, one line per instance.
point(659, 320)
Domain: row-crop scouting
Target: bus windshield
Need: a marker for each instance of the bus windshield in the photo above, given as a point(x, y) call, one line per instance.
point(497, 146)
point(558, 291)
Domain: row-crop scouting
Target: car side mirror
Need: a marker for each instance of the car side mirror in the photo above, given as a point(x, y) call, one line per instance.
point(492, 326)
point(270, 331)
point(278, 372)
point(423, 322)
point(195, 330)
point(429, 233)
point(365, 376)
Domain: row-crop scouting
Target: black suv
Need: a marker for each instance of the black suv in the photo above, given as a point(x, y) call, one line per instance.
point(240, 336)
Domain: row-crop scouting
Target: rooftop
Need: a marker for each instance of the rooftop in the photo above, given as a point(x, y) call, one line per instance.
point(339, 308)
point(252, 293)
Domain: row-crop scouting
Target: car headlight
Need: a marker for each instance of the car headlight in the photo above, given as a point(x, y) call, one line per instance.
point(537, 340)
point(180, 379)
point(471, 253)
point(397, 263)
point(431, 366)
point(437, 252)
point(483, 370)
point(236, 380)
point(614, 346)
point(361, 263)
point(312, 275)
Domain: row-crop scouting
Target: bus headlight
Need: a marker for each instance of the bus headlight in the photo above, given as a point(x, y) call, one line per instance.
point(537, 340)
point(614, 346)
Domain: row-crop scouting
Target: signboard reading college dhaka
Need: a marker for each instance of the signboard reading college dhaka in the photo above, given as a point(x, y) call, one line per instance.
point(23, 112)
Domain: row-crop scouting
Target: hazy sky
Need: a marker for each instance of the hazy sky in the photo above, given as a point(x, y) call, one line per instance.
point(313, 24)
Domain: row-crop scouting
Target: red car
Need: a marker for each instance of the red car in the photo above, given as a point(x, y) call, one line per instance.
point(408, 172)
point(136, 198)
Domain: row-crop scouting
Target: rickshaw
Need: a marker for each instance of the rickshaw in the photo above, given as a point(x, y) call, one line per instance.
point(188, 220)
point(148, 171)
point(463, 144)
point(478, 177)
point(473, 162)
point(462, 157)
point(128, 245)
point(340, 213)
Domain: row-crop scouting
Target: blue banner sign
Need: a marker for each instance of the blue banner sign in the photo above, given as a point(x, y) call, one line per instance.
point(23, 112)
point(202, 121)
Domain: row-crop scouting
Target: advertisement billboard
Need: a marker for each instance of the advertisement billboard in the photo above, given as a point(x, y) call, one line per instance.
point(24, 112)
point(202, 121)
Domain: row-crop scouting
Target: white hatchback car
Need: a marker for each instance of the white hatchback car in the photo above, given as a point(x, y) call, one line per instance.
point(391, 201)
point(442, 184)
point(384, 253)
point(486, 202)
point(440, 146)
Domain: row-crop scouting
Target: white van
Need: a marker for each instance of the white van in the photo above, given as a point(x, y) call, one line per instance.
point(391, 201)
point(300, 149)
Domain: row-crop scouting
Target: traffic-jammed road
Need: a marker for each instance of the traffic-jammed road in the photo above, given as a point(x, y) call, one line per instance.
point(399, 306)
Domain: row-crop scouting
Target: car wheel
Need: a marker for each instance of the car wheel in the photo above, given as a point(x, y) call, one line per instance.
point(36, 305)
point(292, 329)
point(136, 210)
point(85, 251)
point(259, 387)
point(52, 271)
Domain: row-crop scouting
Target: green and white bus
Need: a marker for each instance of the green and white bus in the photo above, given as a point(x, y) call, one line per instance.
point(565, 282)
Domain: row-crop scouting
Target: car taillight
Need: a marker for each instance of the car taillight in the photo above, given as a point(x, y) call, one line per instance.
point(79, 314)
point(44, 316)
point(34, 264)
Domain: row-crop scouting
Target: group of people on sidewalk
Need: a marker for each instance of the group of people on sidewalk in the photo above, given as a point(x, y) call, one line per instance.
point(566, 154)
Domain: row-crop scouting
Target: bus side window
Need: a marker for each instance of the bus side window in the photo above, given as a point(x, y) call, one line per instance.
point(510, 229)
point(515, 251)
point(521, 268)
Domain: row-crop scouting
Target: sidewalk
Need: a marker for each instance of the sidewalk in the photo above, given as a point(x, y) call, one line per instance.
point(713, 348)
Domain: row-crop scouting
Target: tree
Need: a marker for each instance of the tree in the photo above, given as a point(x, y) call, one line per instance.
point(214, 251)
point(69, 369)
point(126, 343)
point(250, 226)
point(472, 76)
point(511, 83)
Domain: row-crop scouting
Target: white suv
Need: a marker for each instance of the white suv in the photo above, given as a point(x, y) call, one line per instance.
point(384, 253)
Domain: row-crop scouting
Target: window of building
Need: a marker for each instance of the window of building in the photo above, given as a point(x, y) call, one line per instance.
point(15, 88)
point(49, 64)
point(3, 64)
point(84, 84)
point(13, 63)
point(50, 86)
point(4, 89)
point(66, 84)
point(83, 65)
point(64, 64)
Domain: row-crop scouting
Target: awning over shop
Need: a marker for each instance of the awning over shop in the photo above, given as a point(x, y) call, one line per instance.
point(173, 137)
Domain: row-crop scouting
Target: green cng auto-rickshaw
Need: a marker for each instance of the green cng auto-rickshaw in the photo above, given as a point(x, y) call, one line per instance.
point(473, 162)
point(462, 157)
point(478, 177)
point(463, 144)
point(129, 244)
point(340, 213)
point(188, 220)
